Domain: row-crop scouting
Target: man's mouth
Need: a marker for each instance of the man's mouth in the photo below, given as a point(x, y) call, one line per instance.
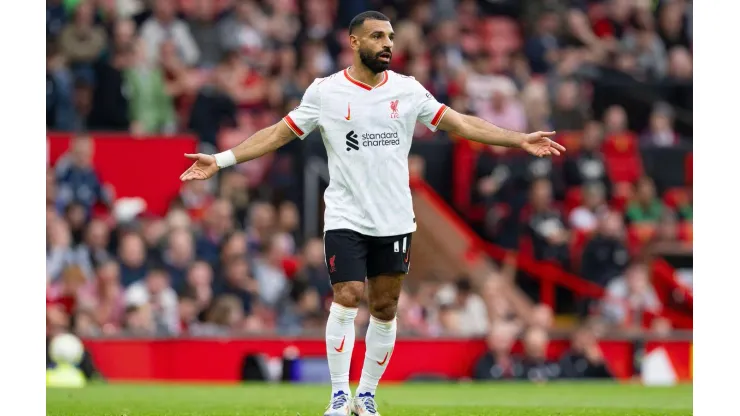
point(385, 56)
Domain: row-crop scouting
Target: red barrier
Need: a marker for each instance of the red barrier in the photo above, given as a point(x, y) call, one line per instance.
point(221, 359)
point(147, 168)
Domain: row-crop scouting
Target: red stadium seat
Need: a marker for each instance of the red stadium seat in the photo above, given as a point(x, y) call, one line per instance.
point(622, 157)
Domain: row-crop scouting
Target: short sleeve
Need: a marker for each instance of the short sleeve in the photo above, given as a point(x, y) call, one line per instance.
point(430, 110)
point(304, 118)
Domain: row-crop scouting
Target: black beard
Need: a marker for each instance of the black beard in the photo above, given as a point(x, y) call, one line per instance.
point(372, 62)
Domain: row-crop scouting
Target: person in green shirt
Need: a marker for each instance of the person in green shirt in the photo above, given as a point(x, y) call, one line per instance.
point(150, 107)
point(645, 206)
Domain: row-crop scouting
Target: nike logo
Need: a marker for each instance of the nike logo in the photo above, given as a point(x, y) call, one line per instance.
point(348, 113)
point(341, 346)
point(381, 363)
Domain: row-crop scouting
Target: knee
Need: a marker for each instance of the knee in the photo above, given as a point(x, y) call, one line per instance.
point(349, 294)
point(384, 307)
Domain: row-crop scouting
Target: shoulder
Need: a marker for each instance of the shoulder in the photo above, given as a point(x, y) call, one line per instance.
point(404, 81)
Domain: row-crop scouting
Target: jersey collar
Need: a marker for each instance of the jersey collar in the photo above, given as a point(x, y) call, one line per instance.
point(362, 84)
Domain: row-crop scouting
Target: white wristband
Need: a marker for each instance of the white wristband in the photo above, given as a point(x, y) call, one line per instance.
point(225, 159)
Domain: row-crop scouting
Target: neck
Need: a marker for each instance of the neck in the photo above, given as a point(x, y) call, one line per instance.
point(362, 73)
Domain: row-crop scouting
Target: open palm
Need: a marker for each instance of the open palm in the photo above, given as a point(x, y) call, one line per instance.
point(203, 168)
point(539, 144)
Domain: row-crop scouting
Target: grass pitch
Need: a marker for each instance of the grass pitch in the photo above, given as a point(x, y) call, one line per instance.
point(556, 399)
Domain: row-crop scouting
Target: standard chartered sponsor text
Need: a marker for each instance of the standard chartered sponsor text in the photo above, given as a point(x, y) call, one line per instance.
point(380, 139)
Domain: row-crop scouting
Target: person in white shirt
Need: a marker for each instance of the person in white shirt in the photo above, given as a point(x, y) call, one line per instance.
point(366, 115)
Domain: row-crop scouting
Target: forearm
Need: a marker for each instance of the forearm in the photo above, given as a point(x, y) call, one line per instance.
point(481, 131)
point(264, 141)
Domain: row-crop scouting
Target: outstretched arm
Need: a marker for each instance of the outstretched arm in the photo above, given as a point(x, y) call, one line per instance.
point(478, 130)
point(264, 141)
point(261, 143)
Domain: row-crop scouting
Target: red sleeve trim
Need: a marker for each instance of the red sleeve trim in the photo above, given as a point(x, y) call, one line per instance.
point(291, 124)
point(438, 116)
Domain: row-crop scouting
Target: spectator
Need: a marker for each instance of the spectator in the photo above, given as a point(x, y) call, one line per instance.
point(314, 270)
point(542, 48)
point(541, 317)
point(303, 301)
point(179, 256)
point(94, 249)
point(545, 226)
point(205, 33)
point(588, 164)
point(82, 42)
point(481, 83)
point(216, 226)
point(680, 65)
point(234, 188)
point(472, 310)
point(82, 102)
point(537, 106)
point(536, 366)
point(504, 110)
point(151, 110)
point(584, 359)
point(239, 283)
point(498, 363)
point(567, 113)
point(646, 206)
point(199, 285)
point(225, 317)
point(243, 31)
point(104, 296)
point(615, 120)
point(138, 321)
point(163, 25)
point(672, 25)
point(630, 298)
point(132, 257)
point(649, 50)
point(411, 313)
point(585, 217)
point(155, 291)
point(187, 310)
point(59, 85)
point(605, 255)
point(66, 290)
point(667, 240)
point(55, 18)
point(213, 107)
point(660, 132)
point(269, 272)
point(77, 180)
point(59, 253)
point(261, 224)
point(76, 216)
point(110, 110)
point(287, 223)
point(500, 309)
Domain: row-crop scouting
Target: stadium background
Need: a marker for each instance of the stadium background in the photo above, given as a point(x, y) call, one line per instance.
point(191, 282)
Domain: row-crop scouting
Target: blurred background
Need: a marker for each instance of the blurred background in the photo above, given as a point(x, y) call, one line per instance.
point(523, 268)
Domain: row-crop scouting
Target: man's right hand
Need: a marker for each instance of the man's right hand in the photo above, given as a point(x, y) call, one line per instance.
point(203, 168)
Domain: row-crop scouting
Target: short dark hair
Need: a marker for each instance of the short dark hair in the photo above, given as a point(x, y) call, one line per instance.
point(358, 20)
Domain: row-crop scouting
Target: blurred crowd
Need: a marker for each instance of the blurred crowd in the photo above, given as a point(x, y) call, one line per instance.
point(226, 260)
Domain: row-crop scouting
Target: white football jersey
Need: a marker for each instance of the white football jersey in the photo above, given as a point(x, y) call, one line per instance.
point(367, 132)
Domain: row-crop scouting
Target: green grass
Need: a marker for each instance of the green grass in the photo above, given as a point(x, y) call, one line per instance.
point(555, 399)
